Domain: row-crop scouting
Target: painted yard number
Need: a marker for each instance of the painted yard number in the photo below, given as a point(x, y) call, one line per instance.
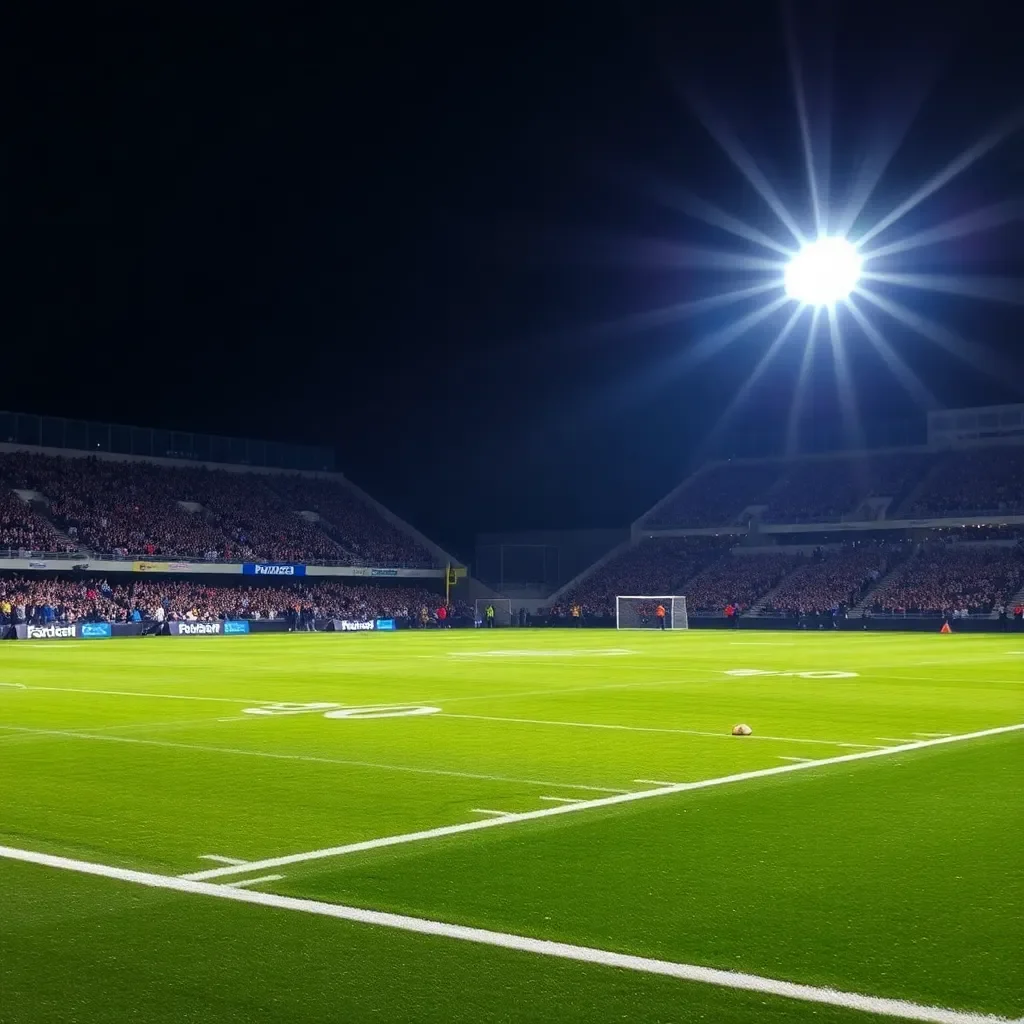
point(801, 675)
point(331, 710)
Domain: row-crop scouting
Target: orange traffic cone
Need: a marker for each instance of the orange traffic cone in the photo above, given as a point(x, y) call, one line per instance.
point(945, 628)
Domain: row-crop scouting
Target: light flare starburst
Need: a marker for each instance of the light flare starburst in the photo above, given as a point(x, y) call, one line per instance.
point(832, 270)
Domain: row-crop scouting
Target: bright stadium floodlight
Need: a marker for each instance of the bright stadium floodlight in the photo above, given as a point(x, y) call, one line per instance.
point(823, 272)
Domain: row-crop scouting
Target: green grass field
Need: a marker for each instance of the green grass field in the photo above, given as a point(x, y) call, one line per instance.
point(513, 792)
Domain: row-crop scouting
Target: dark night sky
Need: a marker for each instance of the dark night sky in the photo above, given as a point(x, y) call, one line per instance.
point(394, 234)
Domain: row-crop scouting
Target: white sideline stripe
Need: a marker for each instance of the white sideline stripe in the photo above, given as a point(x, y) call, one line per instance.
point(253, 881)
point(585, 805)
point(645, 728)
point(782, 758)
point(896, 739)
point(562, 799)
point(656, 782)
point(931, 734)
point(309, 757)
point(485, 810)
point(898, 1008)
point(221, 860)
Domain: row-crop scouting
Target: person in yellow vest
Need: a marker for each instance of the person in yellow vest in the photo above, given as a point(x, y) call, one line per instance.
point(659, 614)
point(489, 616)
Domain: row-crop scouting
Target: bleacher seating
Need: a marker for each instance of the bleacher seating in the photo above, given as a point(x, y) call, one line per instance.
point(76, 600)
point(825, 490)
point(833, 579)
point(942, 578)
point(975, 481)
point(716, 497)
point(738, 579)
point(653, 567)
point(21, 529)
point(353, 523)
point(134, 508)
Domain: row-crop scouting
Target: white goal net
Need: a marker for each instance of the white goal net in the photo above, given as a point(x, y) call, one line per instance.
point(643, 613)
point(502, 611)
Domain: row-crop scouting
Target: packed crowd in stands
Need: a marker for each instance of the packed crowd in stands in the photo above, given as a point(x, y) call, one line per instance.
point(738, 580)
point(43, 601)
point(717, 496)
point(651, 568)
point(141, 509)
point(833, 580)
point(974, 481)
point(352, 522)
point(943, 578)
point(147, 600)
point(823, 490)
point(21, 529)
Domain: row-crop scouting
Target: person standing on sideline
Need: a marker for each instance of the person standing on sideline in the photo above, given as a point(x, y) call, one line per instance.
point(489, 616)
point(577, 614)
point(659, 614)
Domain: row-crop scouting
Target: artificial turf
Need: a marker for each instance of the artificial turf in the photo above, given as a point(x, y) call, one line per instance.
point(897, 876)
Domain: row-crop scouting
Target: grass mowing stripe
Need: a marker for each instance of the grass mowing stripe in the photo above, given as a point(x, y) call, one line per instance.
point(309, 758)
point(897, 1008)
point(650, 728)
point(584, 805)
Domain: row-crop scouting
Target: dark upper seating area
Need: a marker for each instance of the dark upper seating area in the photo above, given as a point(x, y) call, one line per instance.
point(974, 481)
point(716, 497)
point(126, 509)
point(824, 490)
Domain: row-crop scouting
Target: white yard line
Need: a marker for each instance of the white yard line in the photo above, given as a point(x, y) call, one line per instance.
point(562, 799)
point(217, 858)
point(655, 782)
point(140, 726)
point(647, 728)
point(897, 1008)
point(931, 735)
point(254, 881)
point(133, 693)
point(491, 812)
point(894, 739)
point(782, 758)
point(586, 805)
point(313, 759)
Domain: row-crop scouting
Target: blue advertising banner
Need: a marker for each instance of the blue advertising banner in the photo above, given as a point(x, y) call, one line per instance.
point(272, 569)
point(95, 631)
point(386, 625)
point(235, 627)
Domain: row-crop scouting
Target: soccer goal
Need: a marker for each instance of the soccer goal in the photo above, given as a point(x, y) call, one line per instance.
point(642, 613)
point(502, 610)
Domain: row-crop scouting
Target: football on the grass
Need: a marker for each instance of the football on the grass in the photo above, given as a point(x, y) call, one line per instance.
point(741, 730)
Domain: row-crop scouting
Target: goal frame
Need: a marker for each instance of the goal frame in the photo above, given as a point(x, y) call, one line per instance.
point(502, 611)
point(675, 607)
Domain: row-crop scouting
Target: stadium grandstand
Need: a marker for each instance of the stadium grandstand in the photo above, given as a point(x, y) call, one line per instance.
point(932, 530)
point(177, 505)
